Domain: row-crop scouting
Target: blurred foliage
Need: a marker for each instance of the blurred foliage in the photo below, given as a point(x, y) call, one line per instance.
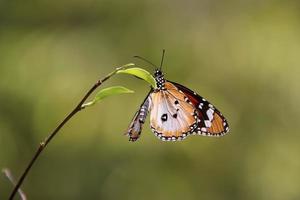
point(243, 56)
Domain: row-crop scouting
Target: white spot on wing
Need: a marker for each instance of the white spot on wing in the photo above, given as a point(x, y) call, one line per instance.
point(207, 123)
point(210, 113)
point(200, 105)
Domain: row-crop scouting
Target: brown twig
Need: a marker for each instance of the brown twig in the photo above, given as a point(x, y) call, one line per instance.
point(10, 177)
point(44, 143)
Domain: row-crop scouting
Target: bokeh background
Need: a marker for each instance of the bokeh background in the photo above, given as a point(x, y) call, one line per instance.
point(243, 56)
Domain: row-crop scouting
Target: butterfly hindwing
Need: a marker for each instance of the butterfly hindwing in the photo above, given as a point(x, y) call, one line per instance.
point(172, 116)
point(211, 121)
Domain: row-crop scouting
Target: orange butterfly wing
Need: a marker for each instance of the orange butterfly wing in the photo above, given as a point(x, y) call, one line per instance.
point(212, 122)
point(171, 116)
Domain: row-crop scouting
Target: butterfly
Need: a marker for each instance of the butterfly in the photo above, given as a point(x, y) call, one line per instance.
point(176, 112)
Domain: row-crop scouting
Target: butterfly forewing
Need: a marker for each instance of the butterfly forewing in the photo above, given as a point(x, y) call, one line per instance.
point(210, 120)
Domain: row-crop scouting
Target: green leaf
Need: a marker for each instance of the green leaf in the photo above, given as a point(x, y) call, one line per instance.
point(120, 68)
point(139, 73)
point(128, 65)
point(107, 92)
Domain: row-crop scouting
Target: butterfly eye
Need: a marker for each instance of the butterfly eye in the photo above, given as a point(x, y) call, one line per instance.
point(157, 73)
point(164, 117)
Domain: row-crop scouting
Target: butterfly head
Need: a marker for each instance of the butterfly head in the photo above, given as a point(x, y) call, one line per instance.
point(160, 80)
point(158, 75)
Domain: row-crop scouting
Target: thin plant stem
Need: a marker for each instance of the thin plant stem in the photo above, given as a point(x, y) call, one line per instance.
point(10, 177)
point(46, 141)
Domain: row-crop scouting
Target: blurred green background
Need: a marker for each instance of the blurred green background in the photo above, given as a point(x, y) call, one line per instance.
point(243, 56)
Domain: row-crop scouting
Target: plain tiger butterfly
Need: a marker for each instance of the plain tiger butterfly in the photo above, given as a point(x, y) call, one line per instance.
point(176, 112)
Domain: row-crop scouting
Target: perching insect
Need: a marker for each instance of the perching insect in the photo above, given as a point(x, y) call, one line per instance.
point(176, 112)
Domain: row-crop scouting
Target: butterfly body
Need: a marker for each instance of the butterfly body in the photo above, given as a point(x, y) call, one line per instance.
point(177, 112)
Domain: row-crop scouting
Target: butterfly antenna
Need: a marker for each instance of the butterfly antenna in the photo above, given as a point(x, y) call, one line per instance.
point(162, 59)
point(144, 59)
